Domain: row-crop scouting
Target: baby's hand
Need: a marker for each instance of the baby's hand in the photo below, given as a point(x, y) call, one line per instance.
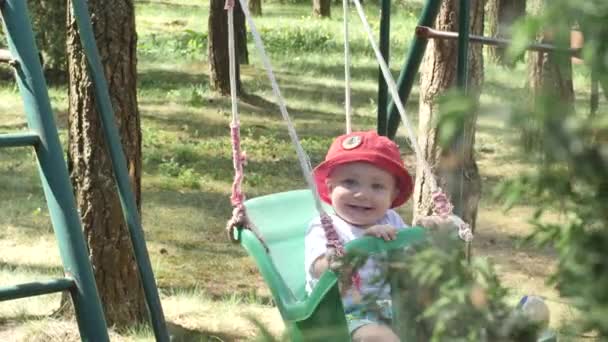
point(437, 223)
point(382, 231)
point(448, 223)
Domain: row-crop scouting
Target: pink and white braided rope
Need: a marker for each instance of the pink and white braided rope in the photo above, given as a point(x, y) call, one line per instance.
point(443, 208)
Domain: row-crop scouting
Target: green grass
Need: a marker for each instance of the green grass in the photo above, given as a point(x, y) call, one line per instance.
point(206, 282)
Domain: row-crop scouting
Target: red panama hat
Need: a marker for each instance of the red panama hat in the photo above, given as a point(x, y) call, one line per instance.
point(365, 147)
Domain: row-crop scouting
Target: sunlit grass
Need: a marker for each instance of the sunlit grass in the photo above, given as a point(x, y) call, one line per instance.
point(206, 283)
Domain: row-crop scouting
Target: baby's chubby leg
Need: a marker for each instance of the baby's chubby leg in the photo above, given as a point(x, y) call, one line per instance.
point(374, 333)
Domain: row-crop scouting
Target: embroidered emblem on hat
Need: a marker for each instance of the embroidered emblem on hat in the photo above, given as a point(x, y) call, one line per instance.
point(352, 142)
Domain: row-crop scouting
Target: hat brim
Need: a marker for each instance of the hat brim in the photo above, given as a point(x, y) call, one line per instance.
point(404, 180)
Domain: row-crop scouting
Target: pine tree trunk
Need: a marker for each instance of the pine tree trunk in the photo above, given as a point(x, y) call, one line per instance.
point(548, 77)
point(438, 74)
point(255, 7)
point(89, 162)
point(219, 73)
point(321, 8)
point(48, 21)
point(240, 28)
point(501, 16)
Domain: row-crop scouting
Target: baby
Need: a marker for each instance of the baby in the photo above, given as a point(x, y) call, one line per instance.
point(363, 178)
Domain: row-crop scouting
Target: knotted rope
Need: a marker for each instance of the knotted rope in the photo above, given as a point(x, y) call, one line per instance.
point(239, 213)
point(239, 217)
point(440, 200)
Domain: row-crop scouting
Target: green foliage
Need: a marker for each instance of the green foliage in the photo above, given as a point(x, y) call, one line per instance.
point(452, 300)
point(571, 175)
point(454, 110)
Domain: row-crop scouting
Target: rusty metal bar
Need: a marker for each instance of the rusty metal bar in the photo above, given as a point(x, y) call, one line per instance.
point(429, 33)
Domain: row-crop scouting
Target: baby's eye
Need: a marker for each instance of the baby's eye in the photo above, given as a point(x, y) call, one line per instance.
point(349, 182)
point(378, 186)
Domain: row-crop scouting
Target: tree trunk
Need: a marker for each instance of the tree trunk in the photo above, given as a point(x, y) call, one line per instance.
point(89, 162)
point(454, 164)
point(49, 27)
point(255, 7)
point(219, 73)
point(549, 77)
point(501, 16)
point(321, 8)
point(240, 29)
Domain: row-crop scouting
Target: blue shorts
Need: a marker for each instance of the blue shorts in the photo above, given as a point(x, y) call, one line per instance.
point(380, 313)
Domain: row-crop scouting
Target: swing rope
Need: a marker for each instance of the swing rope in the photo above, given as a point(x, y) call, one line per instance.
point(239, 214)
point(347, 104)
point(334, 244)
point(441, 204)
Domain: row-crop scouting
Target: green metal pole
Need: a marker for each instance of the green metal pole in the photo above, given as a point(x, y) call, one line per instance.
point(119, 164)
point(462, 66)
point(385, 28)
point(412, 64)
point(53, 172)
point(463, 45)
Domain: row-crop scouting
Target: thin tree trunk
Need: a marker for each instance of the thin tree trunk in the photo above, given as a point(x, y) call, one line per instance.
point(90, 167)
point(455, 166)
point(321, 8)
point(549, 77)
point(255, 7)
point(50, 35)
point(240, 28)
point(219, 73)
point(501, 15)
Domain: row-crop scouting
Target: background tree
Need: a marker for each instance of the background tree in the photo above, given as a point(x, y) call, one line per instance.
point(571, 179)
point(549, 75)
point(321, 8)
point(219, 76)
point(49, 26)
point(89, 162)
point(456, 163)
point(501, 14)
point(255, 7)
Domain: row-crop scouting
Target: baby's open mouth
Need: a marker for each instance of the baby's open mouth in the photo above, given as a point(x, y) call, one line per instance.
point(359, 207)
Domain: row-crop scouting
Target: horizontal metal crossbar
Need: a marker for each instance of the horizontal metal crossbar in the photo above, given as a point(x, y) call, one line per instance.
point(36, 289)
point(429, 33)
point(19, 139)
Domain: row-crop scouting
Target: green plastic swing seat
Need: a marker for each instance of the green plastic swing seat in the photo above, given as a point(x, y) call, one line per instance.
point(282, 220)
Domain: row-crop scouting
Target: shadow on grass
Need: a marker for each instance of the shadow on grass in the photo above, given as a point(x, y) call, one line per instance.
point(40, 269)
point(166, 80)
point(180, 333)
point(167, 4)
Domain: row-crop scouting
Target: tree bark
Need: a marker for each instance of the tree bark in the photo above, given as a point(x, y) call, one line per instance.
point(454, 164)
point(255, 7)
point(219, 73)
point(501, 16)
point(89, 162)
point(321, 8)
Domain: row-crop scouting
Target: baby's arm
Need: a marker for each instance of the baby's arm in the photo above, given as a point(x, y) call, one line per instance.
point(319, 266)
point(315, 258)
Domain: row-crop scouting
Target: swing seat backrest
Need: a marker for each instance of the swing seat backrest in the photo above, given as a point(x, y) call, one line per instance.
point(282, 220)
